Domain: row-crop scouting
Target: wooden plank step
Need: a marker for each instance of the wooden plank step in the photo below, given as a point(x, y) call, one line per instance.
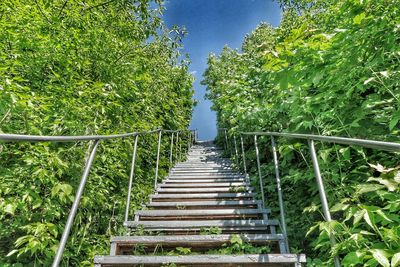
point(184, 171)
point(222, 204)
point(181, 181)
point(211, 214)
point(197, 176)
point(186, 226)
point(205, 190)
point(210, 184)
point(203, 196)
point(198, 260)
point(123, 245)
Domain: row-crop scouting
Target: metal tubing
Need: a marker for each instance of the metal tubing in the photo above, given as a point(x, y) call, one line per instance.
point(131, 176)
point(243, 155)
point(381, 145)
point(188, 141)
point(75, 205)
point(176, 149)
point(236, 151)
point(226, 140)
point(280, 196)
point(171, 150)
point(39, 138)
point(158, 158)
point(322, 195)
point(259, 171)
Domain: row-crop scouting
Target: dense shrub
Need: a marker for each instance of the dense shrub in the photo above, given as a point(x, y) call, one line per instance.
point(330, 68)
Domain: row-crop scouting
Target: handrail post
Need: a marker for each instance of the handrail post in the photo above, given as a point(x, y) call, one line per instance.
point(131, 176)
point(259, 171)
point(158, 158)
point(243, 155)
point(322, 195)
point(176, 148)
point(180, 148)
point(189, 140)
point(236, 151)
point(74, 208)
point(171, 149)
point(226, 141)
point(280, 197)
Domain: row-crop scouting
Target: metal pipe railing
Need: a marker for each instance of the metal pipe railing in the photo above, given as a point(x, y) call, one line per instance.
point(131, 176)
point(380, 145)
point(74, 208)
point(88, 164)
point(259, 171)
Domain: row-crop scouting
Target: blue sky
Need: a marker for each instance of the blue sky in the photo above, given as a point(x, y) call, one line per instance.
point(212, 24)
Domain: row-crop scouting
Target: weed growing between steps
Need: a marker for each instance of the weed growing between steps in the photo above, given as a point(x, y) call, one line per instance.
point(236, 246)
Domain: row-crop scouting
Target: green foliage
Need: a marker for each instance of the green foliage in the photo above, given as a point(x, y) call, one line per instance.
point(82, 68)
point(331, 68)
point(213, 230)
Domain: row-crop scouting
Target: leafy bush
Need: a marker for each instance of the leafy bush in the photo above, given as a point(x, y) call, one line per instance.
point(82, 68)
point(330, 68)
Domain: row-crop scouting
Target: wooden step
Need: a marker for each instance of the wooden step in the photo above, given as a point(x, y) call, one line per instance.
point(207, 214)
point(225, 226)
point(207, 171)
point(205, 196)
point(123, 245)
point(202, 260)
point(210, 184)
point(196, 176)
point(205, 190)
point(220, 204)
point(212, 180)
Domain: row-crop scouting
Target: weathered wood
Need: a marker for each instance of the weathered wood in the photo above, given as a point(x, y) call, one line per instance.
point(202, 259)
point(182, 212)
point(203, 196)
point(222, 204)
point(124, 244)
point(204, 190)
point(210, 184)
point(204, 180)
point(198, 225)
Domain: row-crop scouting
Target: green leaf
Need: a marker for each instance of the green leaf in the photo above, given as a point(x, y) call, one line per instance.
point(380, 256)
point(351, 259)
point(396, 260)
point(10, 209)
point(358, 19)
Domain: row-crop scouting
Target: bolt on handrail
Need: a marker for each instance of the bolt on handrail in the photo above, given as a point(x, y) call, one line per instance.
point(311, 138)
point(96, 139)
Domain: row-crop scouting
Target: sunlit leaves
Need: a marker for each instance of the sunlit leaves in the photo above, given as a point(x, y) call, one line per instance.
point(331, 68)
point(81, 68)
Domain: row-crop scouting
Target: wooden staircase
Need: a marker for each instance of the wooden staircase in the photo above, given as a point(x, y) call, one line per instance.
point(201, 207)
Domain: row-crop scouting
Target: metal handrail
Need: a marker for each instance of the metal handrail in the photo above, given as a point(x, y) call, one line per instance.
point(382, 145)
point(311, 138)
point(72, 138)
point(96, 139)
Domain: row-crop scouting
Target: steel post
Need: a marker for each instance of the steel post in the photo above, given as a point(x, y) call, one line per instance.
point(243, 155)
point(158, 158)
point(131, 176)
point(236, 151)
point(74, 208)
point(322, 195)
point(226, 140)
point(171, 149)
point(259, 171)
point(280, 197)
